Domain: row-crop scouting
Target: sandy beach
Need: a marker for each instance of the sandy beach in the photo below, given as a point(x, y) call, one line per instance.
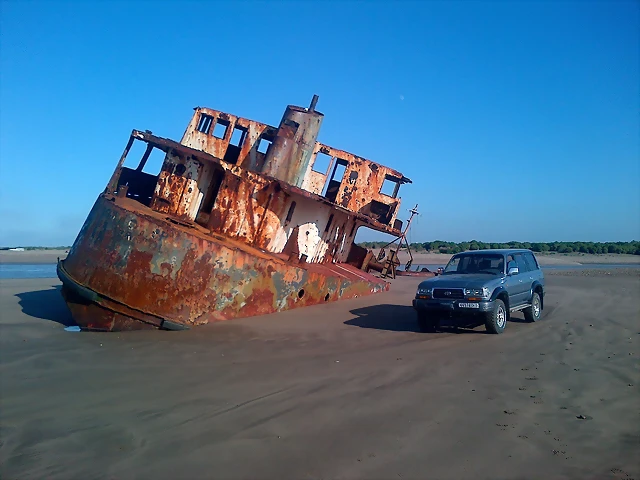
point(37, 257)
point(348, 390)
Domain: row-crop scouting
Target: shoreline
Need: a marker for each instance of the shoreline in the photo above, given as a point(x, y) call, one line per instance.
point(43, 257)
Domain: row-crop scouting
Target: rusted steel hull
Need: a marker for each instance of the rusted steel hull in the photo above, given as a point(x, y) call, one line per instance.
point(132, 269)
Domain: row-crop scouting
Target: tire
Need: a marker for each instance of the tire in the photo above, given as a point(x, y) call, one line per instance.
point(496, 321)
point(427, 323)
point(534, 312)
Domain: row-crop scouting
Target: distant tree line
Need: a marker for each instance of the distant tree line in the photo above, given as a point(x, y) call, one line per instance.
point(439, 246)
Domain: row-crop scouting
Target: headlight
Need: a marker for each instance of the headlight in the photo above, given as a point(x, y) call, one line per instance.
point(424, 291)
point(478, 292)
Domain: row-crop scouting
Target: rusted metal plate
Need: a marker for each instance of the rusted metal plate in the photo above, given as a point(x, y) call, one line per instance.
point(159, 268)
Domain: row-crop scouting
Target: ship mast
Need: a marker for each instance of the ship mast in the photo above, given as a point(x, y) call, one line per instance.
point(392, 262)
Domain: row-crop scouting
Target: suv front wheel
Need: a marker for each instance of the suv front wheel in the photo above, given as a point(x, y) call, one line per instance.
point(496, 320)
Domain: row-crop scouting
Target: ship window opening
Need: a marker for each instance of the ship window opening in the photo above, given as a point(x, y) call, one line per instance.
point(326, 229)
point(333, 185)
point(390, 186)
point(144, 157)
point(263, 145)
point(153, 163)
point(292, 207)
point(204, 124)
point(220, 130)
point(238, 136)
point(140, 171)
point(235, 145)
point(326, 297)
point(301, 293)
point(322, 163)
point(338, 172)
point(180, 169)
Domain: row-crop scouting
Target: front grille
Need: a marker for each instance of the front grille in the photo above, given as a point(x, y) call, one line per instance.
point(448, 293)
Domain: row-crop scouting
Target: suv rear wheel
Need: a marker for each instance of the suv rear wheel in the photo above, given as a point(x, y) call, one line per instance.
point(496, 321)
point(534, 312)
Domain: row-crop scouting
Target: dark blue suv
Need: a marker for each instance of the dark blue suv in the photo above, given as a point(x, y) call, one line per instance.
point(482, 286)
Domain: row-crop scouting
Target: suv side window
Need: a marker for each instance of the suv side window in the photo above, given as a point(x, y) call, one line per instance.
point(531, 260)
point(522, 264)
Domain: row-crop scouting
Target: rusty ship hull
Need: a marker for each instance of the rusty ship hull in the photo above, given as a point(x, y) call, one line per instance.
point(128, 270)
point(157, 251)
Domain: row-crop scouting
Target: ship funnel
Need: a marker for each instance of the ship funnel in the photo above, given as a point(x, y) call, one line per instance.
point(289, 156)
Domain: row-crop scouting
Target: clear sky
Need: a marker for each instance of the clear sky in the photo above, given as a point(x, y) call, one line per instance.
point(515, 120)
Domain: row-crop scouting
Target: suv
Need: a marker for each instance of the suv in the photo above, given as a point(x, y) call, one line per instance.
point(482, 286)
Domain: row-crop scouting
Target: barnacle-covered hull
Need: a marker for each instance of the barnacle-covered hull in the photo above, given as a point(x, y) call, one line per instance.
point(134, 268)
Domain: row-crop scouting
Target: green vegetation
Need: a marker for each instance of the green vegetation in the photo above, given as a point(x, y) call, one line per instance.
point(439, 246)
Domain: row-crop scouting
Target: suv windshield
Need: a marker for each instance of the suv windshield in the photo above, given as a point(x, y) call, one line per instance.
point(476, 263)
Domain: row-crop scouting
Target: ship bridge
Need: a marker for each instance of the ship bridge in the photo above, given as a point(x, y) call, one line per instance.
point(275, 188)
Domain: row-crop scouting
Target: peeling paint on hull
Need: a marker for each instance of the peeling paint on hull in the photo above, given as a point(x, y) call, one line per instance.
point(131, 269)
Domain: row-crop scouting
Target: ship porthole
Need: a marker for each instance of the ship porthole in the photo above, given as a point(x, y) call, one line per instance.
point(326, 297)
point(301, 293)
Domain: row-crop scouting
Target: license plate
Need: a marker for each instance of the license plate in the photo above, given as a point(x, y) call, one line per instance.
point(469, 305)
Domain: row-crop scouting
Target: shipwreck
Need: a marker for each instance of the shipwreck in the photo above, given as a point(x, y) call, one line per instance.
point(242, 219)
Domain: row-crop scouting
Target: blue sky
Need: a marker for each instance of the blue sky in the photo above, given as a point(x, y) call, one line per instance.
point(515, 120)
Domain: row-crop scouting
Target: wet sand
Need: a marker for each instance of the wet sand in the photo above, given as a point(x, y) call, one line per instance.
point(348, 390)
point(34, 257)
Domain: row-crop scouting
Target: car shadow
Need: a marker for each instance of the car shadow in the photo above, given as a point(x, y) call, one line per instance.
point(46, 305)
point(517, 317)
point(395, 318)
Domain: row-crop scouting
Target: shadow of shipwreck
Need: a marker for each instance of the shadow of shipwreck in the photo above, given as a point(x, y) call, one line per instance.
point(46, 305)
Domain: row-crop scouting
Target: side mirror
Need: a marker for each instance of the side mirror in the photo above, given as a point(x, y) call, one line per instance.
point(512, 268)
